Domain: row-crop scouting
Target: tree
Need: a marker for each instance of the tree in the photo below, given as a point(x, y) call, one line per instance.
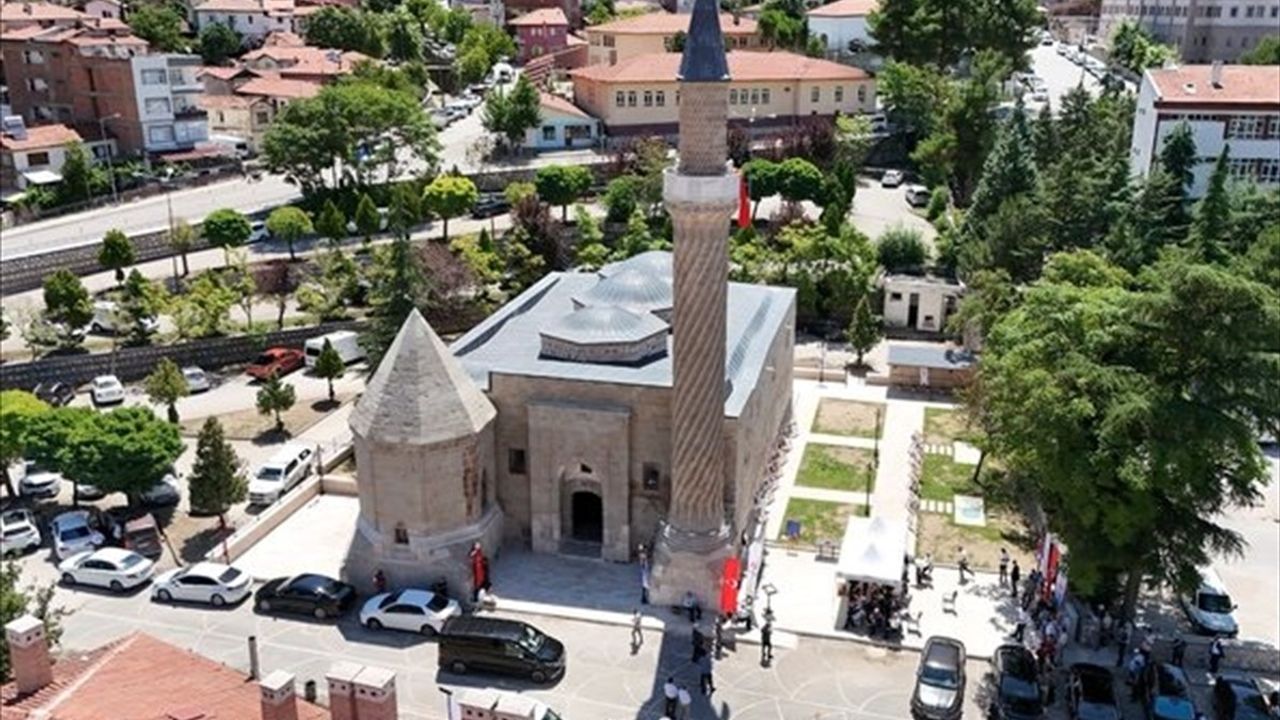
point(328, 292)
point(78, 175)
point(182, 237)
point(398, 284)
point(404, 36)
point(763, 180)
point(901, 249)
point(562, 184)
point(864, 330)
point(18, 409)
point(332, 224)
point(1266, 52)
point(216, 481)
point(449, 196)
point(17, 600)
point(67, 306)
point(329, 366)
point(202, 310)
point(591, 252)
point(345, 28)
point(621, 196)
point(226, 229)
point(1178, 156)
point(126, 450)
point(159, 24)
point(274, 398)
point(942, 32)
point(141, 301)
point(218, 42)
point(278, 280)
point(290, 223)
point(1009, 170)
point(116, 253)
point(636, 239)
point(165, 386)
point(473, 65)
point(405, 210)
point(1211, 227)
point(510, 115)
point(799, 179)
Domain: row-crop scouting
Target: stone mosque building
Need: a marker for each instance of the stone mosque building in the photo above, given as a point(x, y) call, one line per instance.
point(554, 423)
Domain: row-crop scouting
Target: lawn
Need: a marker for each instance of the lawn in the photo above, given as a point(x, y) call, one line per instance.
point(251, 425)
point(836, 468)
point(820, 520)
point(942, 426)
point(941, 537)
point(847, 417)
point(941, 477)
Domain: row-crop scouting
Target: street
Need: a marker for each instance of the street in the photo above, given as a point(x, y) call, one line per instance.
point(1060, 75)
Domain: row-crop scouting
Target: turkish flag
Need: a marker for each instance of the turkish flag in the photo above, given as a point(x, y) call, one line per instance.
point(744, 202)
point(729, 585)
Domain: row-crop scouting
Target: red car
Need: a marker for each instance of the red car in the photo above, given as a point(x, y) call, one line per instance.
point(275, 361)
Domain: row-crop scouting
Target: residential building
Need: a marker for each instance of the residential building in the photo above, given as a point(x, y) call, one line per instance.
point(921, 303)
point(32, 156)
point(1235, 106)
point(541, 32)
point(253, 19)
point(166, 88)
point(18, 14)
point(620, 40)
point(104, 9)
point(514, 9)
point(842, 25)
point(563, 125)
point(246, 117)
point(1200, 30)
point(767, 91)
point(937, 367)
point(313, 64)
point(490, 11)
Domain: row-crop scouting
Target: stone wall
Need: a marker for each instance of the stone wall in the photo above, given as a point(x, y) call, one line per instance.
point(941, 379)
point(27, 273)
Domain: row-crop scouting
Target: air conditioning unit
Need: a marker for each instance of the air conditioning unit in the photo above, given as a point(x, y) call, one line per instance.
point(14, 127)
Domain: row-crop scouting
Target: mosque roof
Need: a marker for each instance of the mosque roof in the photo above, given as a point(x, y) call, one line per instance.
point(420, 394)
point(604, 324)
point(630, 288)
point(652, 262)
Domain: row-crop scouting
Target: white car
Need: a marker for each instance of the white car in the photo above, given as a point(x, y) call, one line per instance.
point(290, 465)
point(197, 379)
point(206, 582)
point(112, 568)
point(416, 611)
point(106, 390)
point(71, 534)
point(258, 231)
point(891, 178)
point(18, 532)
point(39, 483)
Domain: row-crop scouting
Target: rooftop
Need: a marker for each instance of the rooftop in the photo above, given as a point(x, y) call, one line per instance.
point(20, 12)
point(665, 23)
point(269, 7)
point(304, 60)
point(940, 357)
point(845, 8)
point(280, 87)
point(1240, 85)
point(555, 103)
point(40, 137)
point(541, 16)
point(743, 66)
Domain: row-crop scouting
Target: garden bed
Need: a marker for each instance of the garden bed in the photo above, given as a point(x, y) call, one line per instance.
point(943, 426)
point(941, 477)
point(847, 417)
point(821, 520)
point(940, 536)
point(836, 468)
point(252, 425)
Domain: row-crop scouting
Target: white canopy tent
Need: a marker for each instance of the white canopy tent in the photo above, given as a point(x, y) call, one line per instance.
point(872, 551)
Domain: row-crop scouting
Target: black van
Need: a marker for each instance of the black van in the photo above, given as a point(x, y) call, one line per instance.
point(507, 647)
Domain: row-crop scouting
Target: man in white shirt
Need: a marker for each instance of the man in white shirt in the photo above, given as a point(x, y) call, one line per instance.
point(670, 693)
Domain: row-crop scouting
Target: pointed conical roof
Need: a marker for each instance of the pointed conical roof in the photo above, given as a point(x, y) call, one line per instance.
point(704, 59)
point(420, 394)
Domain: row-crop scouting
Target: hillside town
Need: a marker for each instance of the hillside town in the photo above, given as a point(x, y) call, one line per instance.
point(639, 360)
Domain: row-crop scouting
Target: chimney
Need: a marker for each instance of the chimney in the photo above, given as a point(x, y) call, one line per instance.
point(279, 701)
point(342, 701)
point(28, 654)
point(375, 692)
point(1215, 74)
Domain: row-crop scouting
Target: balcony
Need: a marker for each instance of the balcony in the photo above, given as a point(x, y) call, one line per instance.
point(190, 113)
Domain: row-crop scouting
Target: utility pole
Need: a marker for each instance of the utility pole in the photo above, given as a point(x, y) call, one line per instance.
point(111, 166)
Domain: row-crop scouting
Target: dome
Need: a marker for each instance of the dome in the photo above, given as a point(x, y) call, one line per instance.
point(604, 335)
point(632, 289)
point(652, 262)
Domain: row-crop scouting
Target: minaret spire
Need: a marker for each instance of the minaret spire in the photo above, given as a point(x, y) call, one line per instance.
point(703, 59)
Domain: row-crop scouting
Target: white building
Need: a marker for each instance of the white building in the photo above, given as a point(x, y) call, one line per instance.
point(564, 125)
point(166, 90)
point(842, 23)
point(1236, 106)
point(103, 9)
point(253, 19)
point(919, 302)
point(1200, 30)
point(32, 155)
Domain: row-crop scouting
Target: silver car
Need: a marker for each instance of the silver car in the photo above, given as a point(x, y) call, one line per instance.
point(197, 379)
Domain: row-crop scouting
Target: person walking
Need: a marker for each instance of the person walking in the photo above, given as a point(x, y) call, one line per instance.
point(670, 693)
point(1015, 576)
point(1004, 566)
point(1019, 630)
point(1122, 642)
point(698, 645)
point(964, 564)
point(637, 637)
point(686, 703)
point(643, 553)
point(766, 642)
point(705, 681)
point(719, 636)
point(1179, 650)
point(1216, 651)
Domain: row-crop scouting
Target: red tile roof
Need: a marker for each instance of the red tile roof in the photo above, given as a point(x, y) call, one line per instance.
point(665, 23)
point(20, 12)
point(305, 60)
point(270, 7)
point(41, 137)
point(142, 678)
point(1241, 85)
point(281, 38)
point(558, 104)
point(280, 88)
point(543, 16)
point(743, 66)
point(845, 8)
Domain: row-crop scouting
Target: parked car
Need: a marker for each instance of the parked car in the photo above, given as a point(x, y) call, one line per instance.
point(1238, 697)
point(72, 533)
point(197, 379)
point(276, 361)
point(1167, 693)
point(917, 195)
point(489, 206)
point(56, 394)
point(1210, 608)
point(19, 532)
point(106, 390)
point(892, 178)
point(109, 319)
point(142, 535)
point(209, 583)
point(89, 491)
point(940, 680)
point(345, 342)
point(258, 231)
point(506, 647)
point(1017, 684)
point(411, 610)
point(164, 492)
point(290, 465)
point(113, 568)
point(1091, 693)
point(316, 595)
point(38, 482)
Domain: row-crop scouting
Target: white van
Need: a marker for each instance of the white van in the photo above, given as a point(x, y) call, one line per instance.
point(1210, 608)
point(109, 317)
point(289, 466)
point(346, 342)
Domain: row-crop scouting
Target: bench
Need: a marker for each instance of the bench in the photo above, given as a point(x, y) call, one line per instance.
point(949, 602)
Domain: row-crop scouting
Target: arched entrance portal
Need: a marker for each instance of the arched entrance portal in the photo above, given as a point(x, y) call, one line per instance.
point(586, 517)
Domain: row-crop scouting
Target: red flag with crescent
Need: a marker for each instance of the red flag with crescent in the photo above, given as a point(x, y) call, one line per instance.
point(729, 585)
point(744, 201)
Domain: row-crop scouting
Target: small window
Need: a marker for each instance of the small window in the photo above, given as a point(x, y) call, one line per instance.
point(549, 132)
point(733, 96)
point(648, 98)
point(660, 98)
point(584, 468)
point(764, 96)
point(631, 98)
point(153, 77)
point(37, 158)
point(264, 118)
point(401, 534)
point(516, 461)
point(651, 476)
point(755, 96)
point(896, 297)
point(839, 93)
point(815, 94)
point(862, 94)
point(619, 99)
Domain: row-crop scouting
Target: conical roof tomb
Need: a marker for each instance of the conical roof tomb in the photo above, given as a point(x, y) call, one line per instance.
point(703, 59)
point(420, 394)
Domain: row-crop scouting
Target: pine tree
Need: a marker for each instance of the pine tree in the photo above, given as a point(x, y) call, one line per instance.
point(1210, 234)
point(864, 328)
point(1044, 136)
point(329, 366)
point(368, 220)
point(216, 482)
point(1178, 155)
point(116, 253)
point(332, 224)
point(275, 397)
point(399, 285)
point(166, 385)
point(1009, 170)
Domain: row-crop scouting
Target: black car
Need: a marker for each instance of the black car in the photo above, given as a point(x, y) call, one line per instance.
point(56, 394)
point(1091, 693)
point(316, 595)
point(939, 692)
point(1167, 693)
point(1238, 697)
point(506, 647)
point(1017, 686)
point(489, 206)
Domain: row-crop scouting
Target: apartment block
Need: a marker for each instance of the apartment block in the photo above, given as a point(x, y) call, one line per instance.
point(253, 19)
point(1201, 30)
point(1226, 106)
point(621, 40)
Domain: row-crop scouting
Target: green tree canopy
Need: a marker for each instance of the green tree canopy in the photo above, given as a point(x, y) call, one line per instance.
point(291, 223)
point(165, 386)
point(902, 249)
point(764, 179)
point(449, 196)
point(80, 179)
point(345, 28)
point(126, 450)
point(160, 24)
point(226, 228)
point(562, 185)
point(798, 179)
point(329, 365)
point(116, 253)
point(865, 329)
point(216, 481)
point(276, 397)
point(67, 305)
point(621, 197)
point(18, 408)
point(202, 310)
point(1211, 227)
point(942, 32)
point(218, 43)
point(404, 36)
point(332, 224)
point(1266, 52)
point(142, 301)
point(398, 284)
point(511, 114)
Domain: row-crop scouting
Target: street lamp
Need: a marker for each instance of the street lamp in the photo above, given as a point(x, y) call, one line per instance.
point(111, 167)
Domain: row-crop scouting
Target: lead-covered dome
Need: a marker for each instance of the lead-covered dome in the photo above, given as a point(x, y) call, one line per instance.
point(630, 289)
point(604, 334)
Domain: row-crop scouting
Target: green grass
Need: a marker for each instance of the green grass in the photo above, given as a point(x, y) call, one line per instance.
point(820, 520)
point(941, 477)
point(942, 426)
point(836, 468)
point(847, 417)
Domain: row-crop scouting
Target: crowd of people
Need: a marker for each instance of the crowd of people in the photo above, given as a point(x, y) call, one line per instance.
point(874, 609)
